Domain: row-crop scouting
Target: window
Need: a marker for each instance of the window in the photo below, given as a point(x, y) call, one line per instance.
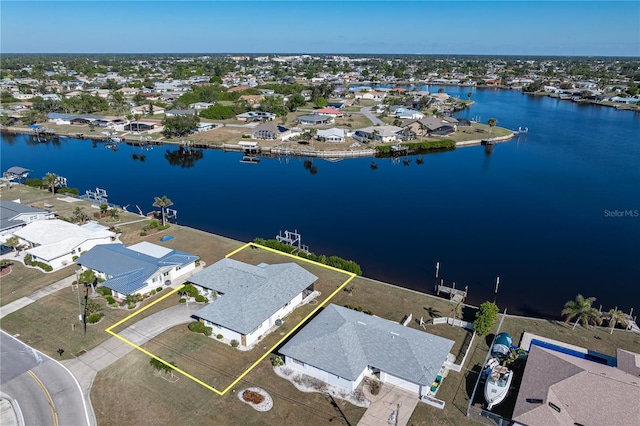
point(554, 406)
point(295, 361)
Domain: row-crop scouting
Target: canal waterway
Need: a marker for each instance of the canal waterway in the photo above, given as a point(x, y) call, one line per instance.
point(553, 213)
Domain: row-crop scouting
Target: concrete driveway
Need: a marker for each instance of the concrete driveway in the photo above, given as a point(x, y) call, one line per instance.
point(384, 407)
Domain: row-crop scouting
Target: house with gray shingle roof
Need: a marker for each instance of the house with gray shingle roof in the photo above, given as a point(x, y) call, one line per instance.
point(15, 215)
point(252, 298)
point(139, 268)
point(341, 346)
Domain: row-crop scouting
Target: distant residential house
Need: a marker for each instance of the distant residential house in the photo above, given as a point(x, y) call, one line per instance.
point(331, 135)
point(198, 106)
point(140, 126)
point(178, 112)
point(252, 100)
point(144, 110)
point(14, 215)
point(238, 88)
point(270, 131)
point(405, 113)
point(314, 119)
point(253, 299)
point(341, 346)
point(55, 242)
point(128, 91)
point(331, 112)
point(256, 116)
point(137, 269)
point(379, 133)
point(431, 126)
point(51, 97)
point(203, 127)
point(628, 101)
point(371, 94)
point(560, 389)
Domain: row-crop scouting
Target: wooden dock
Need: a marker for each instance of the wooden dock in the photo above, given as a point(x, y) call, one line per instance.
point(455, 295)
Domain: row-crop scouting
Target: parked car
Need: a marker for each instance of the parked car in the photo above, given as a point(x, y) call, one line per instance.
point(4, 249)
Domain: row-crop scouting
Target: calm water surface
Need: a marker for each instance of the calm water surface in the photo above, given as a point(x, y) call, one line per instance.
point(537, 211)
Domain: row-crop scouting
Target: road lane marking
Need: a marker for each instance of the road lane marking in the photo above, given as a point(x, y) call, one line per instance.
point(52, 407)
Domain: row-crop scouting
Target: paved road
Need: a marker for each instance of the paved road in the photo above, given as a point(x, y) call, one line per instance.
point(47, 393)
point(366, 111)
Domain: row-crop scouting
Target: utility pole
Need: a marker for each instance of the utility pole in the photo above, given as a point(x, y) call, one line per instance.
point(78, 291)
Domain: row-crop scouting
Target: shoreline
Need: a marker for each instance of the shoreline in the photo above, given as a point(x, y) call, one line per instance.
point(275, 150)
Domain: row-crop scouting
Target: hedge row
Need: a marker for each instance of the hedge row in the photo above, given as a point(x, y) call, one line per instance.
point(334, 261)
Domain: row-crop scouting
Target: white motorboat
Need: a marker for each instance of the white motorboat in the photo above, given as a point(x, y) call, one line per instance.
point(497, 385)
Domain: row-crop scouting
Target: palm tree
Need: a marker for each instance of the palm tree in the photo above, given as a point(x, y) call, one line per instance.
point(492, 122)
point(582, 311)
point(162, 202)
point(51, 181)
point(617, 317)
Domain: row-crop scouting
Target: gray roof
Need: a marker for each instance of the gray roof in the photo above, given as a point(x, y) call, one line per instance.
point(315, 118)
point(586, 392)
point(250, 294)
point(17, 170)
point(129, 268)
point(344, 342)
point(10, 209)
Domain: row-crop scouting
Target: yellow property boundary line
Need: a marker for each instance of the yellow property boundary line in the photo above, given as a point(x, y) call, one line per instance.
point(350, 275)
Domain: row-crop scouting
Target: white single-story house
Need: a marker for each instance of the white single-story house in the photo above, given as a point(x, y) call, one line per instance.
point(179, 112)
point(14, 215)
point(256, 116)
point(270, 131)
point(404, 113)
point(314, 119)
point(333, 134)
point(144, 110)
point(200, 105)
point(56, 242)
point(139, 268)
point(252, 298)
point(341, 346)
point(379, 133)
point(331, 112)
point(371, 94)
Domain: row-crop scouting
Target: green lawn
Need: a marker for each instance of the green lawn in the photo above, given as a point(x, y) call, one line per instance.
point(23, 280)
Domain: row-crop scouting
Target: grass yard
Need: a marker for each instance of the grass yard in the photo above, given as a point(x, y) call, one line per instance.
point(23, 280)
point(51, 323)
point(129, 392)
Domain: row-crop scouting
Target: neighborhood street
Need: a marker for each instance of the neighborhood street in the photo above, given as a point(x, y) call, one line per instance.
point(47, 393)
point(366, 111)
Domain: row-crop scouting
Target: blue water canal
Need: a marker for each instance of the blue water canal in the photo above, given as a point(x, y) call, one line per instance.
point(551, 213)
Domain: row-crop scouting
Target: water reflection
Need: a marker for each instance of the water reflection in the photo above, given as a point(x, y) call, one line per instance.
point(184, 157)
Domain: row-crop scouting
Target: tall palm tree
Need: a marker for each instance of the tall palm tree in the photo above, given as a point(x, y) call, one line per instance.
point(162, 202)
point(617, 317)
point(492, 122)
point(582, 311)
point(51, 181)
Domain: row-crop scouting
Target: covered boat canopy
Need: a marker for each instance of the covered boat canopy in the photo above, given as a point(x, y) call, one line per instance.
point(502, 344)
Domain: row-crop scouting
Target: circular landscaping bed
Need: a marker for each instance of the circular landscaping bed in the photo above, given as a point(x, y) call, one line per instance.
point(258, 398)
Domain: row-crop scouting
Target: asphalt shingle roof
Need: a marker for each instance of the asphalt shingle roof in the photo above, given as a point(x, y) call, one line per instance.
point(344, 342)
point(250, 294)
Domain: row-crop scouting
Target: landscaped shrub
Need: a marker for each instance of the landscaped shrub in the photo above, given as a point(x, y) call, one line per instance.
point(43, 266)
point(374, 387)
point(200, 298)
point(110, 300)
point(158, 289)
point(277, 361)
point(34, 183)
point(219, 336)
point(234, 343)
point(198, 327)
point(182, 300)
point(143, 234)
point(105, 291)
point(66, 190)
point(252, 397)
point(28, 259)
point(94, 318)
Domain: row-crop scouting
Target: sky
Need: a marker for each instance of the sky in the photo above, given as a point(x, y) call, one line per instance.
point(565, 28)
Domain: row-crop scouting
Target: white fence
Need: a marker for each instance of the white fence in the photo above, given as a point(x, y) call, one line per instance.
point(434, 402)
point(453, 321)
